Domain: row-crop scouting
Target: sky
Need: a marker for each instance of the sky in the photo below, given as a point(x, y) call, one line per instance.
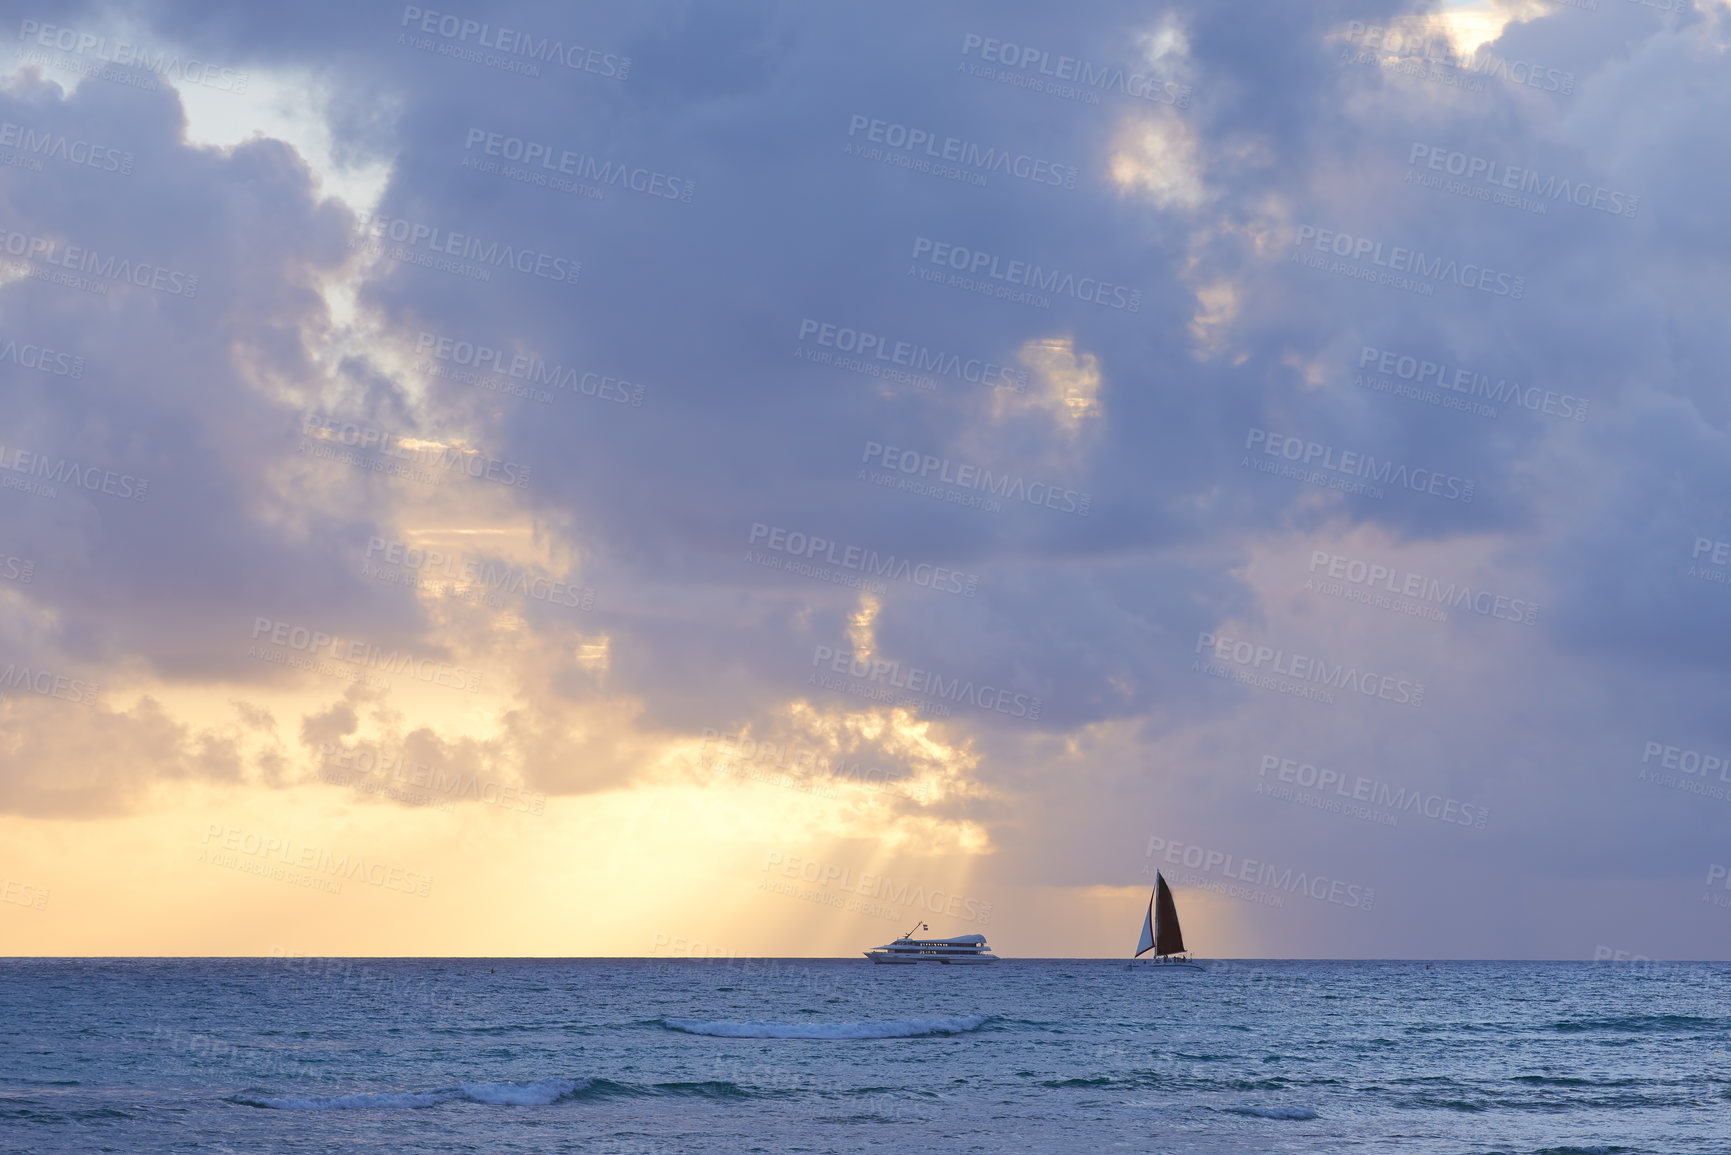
point(723, 481)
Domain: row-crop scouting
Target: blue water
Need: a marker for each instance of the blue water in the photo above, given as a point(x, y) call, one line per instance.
point(408, 1056)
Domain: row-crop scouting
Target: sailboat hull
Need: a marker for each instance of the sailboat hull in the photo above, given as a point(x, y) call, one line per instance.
point(1167, 966)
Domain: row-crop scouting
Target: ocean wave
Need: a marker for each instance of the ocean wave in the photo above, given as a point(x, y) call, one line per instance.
point(1274, 1112)
point(712, 1089)
point(1640, 1023)
point(537, 1094)
point(1572, 1081)
point(1274, 1083)
point(29, 1111)
point(895, 1029)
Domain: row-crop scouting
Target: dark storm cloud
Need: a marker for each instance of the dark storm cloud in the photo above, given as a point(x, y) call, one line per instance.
point(180, 561)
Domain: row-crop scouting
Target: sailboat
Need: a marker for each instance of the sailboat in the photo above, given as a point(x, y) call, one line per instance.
point(1160, 932)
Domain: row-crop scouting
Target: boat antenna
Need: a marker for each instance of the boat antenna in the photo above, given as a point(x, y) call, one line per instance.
point(918, 926)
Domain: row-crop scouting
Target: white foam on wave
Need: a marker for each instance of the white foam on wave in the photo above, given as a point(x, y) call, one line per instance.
point(537, 1094)
point(1275, 1112)
point(895, 1029)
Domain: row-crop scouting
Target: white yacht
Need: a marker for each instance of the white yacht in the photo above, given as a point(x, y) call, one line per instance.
point(969, 949)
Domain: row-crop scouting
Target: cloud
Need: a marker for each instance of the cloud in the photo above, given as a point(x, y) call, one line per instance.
point(515, 377)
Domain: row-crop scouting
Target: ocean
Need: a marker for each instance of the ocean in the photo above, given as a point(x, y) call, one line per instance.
point(798, 1055)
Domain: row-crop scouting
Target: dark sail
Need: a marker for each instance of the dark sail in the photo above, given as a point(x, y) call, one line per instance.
point(1168, 939)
